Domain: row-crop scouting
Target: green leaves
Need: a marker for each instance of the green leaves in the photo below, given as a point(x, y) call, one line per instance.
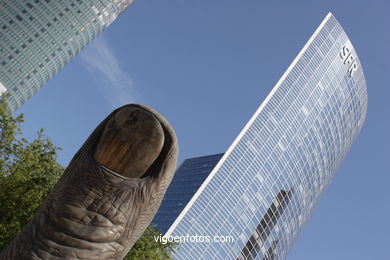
point(28, 171)
point(147, 248)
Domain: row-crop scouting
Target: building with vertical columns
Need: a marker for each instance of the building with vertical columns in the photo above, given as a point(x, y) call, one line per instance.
point(39, 37)
point(265, 186)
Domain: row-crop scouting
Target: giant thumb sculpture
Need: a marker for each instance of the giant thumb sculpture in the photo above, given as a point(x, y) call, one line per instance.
point(108, 194)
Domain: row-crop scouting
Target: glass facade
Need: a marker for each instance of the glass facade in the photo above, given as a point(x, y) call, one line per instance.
point(38, 37)
point(187, 180)
point(263, 189)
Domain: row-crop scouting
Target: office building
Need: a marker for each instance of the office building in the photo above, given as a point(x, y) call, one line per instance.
point(265, 186)
point(188, 178)
point(39, 37)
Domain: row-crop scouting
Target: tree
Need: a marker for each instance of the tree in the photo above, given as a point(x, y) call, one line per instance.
point(28, 171)
point(146, 247)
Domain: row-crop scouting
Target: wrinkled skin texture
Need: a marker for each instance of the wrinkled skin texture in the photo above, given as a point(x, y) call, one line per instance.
point(95, 212)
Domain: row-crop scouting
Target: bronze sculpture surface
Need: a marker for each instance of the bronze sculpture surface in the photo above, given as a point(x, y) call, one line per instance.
point(108, 194)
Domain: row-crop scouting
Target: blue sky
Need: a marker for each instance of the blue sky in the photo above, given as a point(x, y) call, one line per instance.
point(206, 66)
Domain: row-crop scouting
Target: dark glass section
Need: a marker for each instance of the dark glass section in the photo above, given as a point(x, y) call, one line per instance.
point(270, 254)
point(267, 223)
point(187, 180)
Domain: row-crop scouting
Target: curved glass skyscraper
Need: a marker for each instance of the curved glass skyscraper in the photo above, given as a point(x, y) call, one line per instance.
point(38, 37)
point(263, 189)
